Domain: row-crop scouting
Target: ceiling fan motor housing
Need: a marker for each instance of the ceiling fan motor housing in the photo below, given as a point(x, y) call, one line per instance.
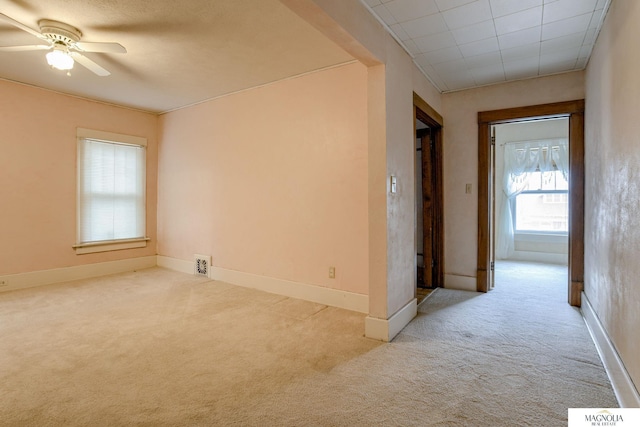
point(59, 32)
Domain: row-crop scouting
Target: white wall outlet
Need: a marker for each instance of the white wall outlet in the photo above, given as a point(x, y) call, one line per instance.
point(394, 184)
point(332, 272)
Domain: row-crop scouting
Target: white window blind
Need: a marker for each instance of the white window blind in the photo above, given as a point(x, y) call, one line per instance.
point(111, 190)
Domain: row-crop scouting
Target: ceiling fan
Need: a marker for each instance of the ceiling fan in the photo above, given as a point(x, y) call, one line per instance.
point(63, 41)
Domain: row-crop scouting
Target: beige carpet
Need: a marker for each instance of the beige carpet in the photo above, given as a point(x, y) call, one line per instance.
point(157, 347)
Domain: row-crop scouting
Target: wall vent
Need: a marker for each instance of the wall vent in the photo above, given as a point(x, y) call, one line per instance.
point(201, 265)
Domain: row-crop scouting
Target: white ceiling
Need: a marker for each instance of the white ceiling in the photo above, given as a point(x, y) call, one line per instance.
point(461, 44)
point(178, 52)
point(183, 52)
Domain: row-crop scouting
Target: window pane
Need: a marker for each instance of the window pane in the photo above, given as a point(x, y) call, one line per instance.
point(112, 191)
point(542, 212)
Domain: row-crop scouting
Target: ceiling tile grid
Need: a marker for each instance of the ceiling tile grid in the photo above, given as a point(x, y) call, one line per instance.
point(460, 44)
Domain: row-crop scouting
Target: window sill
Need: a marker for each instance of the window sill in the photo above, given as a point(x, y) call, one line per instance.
point(543, 237)
point(110, 245)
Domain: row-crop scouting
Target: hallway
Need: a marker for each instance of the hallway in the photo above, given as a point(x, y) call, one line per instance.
point(517, 353)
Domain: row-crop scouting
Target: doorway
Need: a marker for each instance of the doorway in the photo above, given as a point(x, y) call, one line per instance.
point(531, 202)
point(574, 112)
point(429, 199)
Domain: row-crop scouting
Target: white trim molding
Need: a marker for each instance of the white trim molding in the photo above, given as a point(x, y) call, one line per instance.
point(327, 296)
point(32, 279)
point(622, 384)
point(386, 329)
point(175, 264)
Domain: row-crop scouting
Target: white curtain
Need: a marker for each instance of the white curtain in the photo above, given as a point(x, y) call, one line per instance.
point(521, 159)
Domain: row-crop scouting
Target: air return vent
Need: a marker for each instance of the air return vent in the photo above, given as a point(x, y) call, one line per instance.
point(201, 265)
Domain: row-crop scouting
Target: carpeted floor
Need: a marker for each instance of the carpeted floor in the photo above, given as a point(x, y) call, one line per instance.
point(159, 348)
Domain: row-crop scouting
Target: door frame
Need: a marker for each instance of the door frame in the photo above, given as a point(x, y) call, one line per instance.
point(574, 110)
point(426, 114)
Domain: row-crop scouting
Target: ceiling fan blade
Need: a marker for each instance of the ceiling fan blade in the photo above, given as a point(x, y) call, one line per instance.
point(23, 27)
point(24, 48)
point(100, 47)
point(89, 64)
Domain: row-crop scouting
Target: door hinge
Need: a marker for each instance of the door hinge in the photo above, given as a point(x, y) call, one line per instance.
point(493, 140)
point(493, 264)
point(433, 263)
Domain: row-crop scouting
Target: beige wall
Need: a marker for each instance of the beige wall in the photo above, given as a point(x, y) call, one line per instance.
point(392, 80)
point(272, 181)
point(461, 159)
point(612, 189)
point(38, 175)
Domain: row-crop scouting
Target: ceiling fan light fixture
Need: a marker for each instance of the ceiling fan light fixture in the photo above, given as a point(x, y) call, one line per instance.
point(59, 58)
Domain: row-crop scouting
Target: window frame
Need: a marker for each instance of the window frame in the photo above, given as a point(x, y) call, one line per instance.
point(114, 244)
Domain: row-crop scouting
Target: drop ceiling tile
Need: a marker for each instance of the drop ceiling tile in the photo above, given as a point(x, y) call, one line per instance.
point(519, 21)
point(520, 52)
point(443, 55)
point(406, 10)
point(435, 41)
point(412, 47)
point(425, 26)
point(434, 77)
point(460, 80)
point(507, 7)
point(557, 67)
point(591, 36)
point(422, 61)
point(585, 51)
point(582, 63)
point(480, 47)
point(449, 67)
point(564, 27)
point(563, 9)
point(480, 31)
point(384, 14)
point(490, 74)
point(521, 68)
point(450, 4)
point(595, 19)
point(549, 59)
point(399, 31)
point(520, 38)
point(483, 60)
point(468, 14)
point(571, 41)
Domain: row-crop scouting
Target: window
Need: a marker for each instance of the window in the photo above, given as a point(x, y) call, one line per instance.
point(543, 206)
point(111, 191)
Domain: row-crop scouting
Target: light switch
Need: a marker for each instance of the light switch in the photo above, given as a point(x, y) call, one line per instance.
point(394, 184)
point(467, 189)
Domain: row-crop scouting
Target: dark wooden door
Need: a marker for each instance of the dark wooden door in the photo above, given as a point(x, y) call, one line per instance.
point(428, 199)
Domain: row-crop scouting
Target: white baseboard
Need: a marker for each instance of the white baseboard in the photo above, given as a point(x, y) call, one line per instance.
point(387, 329)
point(66, 274)
point(327, 296)
point(463, 283)
point(623, 386)
point(175, 264)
